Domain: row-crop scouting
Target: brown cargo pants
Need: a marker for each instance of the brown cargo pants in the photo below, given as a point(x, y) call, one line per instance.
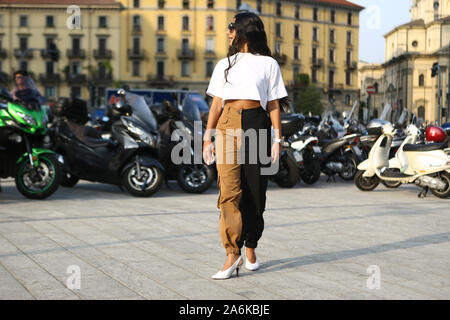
point(243, 146)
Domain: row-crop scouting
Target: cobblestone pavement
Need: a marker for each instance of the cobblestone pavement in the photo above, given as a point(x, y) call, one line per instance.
point(327, 241)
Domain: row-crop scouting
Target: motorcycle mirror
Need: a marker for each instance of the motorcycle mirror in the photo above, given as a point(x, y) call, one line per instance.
point(121, 92)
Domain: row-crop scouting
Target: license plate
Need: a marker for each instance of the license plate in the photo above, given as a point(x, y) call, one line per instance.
point(298, 157)
point(317, 149)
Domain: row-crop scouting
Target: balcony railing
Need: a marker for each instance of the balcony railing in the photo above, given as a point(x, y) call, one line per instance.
point(100, 77)
point(18, 53)
point(351, 65)
point(186, 54)
point(136, 54)
point(76, 53)
point(103, 54)
point(49, 77)
point(160, 80)
point(75, 78)
point(316, 63)
point(281, 58)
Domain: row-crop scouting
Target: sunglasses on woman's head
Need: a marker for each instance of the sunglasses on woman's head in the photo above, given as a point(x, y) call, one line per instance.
point(231, 26)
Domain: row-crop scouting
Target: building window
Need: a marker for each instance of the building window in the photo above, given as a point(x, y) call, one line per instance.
point(332, 36)
point(185, 68)
point(332, 56)
point(185, 4)
point(1, 20)
point(314, 54)
point(24, 65)
point(296, 32)
point(161, 4)
point(210, 45)
point(348, 57)
point(160, 45)
point(259, 6)
point(75, 68)
point(136, 45)
point(185, 44)
point(136, 68)
point(349, 38)
point(75, 92)
point(23, 21)
point(49, 41)
point(102, 22)
point(279, 13)
point(210, 4)
point(50, 21)
point(421, 80)
point(136, 3)
point(76, 44)
point(209, 68)
point(297, 12)
point(315, 34)
point(314, 75)
point(136, 22)
point(160, 69)
point(331, 79)
point(348, 78)
point(23, 43)
point(185, 23)
point(278, 29)
point(102, 45)
point(210, 23)
point(296, 52)
point(315, 14)
point(277, 47)
point(333, 16)
point(49, 67)
point(349, 18)
point(50, 92)
point(160, 23)
point(347, 99)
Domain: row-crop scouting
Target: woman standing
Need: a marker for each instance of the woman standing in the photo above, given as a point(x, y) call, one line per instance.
point(245, 87)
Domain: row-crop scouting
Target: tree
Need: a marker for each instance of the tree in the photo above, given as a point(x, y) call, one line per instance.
point(309, 100)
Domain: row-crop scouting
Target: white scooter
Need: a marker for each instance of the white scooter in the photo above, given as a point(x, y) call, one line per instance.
point(428, 166)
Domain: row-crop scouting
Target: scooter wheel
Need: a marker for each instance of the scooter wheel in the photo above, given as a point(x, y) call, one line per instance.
point(445, 176)
point(290, 174)
point(148, 184)
point(391, 184)
point(195, 178)
point(350, 169)
point(366, 183)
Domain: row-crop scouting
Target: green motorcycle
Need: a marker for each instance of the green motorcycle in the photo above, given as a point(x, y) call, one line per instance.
point(23, 125)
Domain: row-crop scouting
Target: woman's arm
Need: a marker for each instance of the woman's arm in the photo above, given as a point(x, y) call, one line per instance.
point(214, 113)
point(273, 107)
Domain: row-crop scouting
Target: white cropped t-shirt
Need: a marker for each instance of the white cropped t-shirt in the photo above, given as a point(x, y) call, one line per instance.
point(252, 77)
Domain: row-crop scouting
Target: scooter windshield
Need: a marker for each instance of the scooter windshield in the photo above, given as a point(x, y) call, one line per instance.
point(140, 110)
point(190, 109)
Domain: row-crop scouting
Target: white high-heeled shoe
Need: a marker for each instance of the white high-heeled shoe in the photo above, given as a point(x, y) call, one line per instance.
point(252, 266)
point(226, 274)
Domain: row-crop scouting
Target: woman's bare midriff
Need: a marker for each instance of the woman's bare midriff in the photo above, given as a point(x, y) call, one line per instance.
point(243, 104)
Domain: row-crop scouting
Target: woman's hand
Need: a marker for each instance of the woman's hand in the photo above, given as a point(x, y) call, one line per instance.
point(276, 152)
point(208, 152)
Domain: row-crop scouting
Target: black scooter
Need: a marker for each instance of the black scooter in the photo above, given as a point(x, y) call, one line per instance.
point(180, 121)
point(129, 159)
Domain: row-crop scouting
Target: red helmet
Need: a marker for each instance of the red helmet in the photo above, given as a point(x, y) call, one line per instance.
point(435, 134)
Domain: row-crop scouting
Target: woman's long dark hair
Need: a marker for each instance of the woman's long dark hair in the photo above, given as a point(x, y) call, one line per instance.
point(250, 30)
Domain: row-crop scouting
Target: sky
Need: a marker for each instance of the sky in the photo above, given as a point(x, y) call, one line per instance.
point(379, 17)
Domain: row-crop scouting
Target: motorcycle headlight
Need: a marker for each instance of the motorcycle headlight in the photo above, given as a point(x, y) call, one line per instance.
point(140, 132)
point(29, 120)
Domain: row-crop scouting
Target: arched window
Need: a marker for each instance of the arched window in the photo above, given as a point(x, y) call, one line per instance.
point(375, 85)
point(421, 112)
point(421, 80)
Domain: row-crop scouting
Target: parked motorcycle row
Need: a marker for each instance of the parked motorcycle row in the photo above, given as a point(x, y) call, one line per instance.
point(133, 146)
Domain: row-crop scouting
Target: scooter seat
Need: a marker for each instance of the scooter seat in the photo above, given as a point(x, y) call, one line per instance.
point(424, 147)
